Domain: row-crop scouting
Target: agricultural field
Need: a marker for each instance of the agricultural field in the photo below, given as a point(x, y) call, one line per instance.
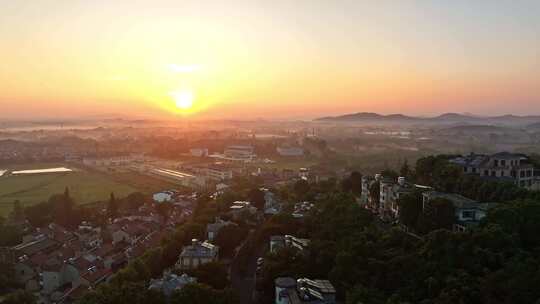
point(85, 186)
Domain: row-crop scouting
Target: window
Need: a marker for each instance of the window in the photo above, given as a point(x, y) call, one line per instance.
point(486, 173)
point(474, 170)
point(467, 215)
point(502, 173)
point(496, 163)
point(493, 173)
point(503, 162)
point(521, 173)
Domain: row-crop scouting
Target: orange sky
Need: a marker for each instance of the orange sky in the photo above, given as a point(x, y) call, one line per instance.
point(250, 59)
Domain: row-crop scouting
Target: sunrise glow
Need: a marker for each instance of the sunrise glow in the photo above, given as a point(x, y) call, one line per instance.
point(183, 99)
point(268, 58)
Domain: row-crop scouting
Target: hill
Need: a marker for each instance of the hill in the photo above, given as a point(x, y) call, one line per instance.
point(446, 118)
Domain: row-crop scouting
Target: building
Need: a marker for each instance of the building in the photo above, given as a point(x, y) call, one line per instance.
point(240, 208)
point(219, 172)
point(240, 152)
point(281, 241)
point(170, 283)
point(181, 178)
point(271, 204)
point(198, 152)
point(302, 209)
point(390, 192)
point(290, 151)
point(290, 291)
point(468, 212)
point(197, 254)
point(213, 229)
point(503, 166)
point(165, 196)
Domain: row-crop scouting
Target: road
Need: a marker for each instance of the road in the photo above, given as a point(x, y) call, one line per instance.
point(244, 283)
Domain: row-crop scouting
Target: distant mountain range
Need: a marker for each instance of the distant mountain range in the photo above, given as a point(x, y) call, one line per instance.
point(444, 118)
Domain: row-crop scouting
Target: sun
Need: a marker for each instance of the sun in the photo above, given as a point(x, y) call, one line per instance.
point(183, 99)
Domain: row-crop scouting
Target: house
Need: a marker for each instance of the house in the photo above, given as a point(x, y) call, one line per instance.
point(128, 232)
point(240, 208)
point(164, 196)
point(213, 229)
point(302, 209)
point(291, 291)
point(271, 204)
point(468, 212)
point(56, 273)
point(198, 253)
point(281, 241)
point(365, 196)
point(170, 283)
point(96, 275)
point(502, 166)
point(390, 193)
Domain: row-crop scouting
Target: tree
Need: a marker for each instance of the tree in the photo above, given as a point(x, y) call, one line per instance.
point(18, 211)
point(228, 238)
point(256, 197)
point(7, 276)
point(63, 206)
point(20, 297)
point(112, 207)
point(388, 173)
point(301, 188)
point(135, 200)
point(213, 274)
point(439, 214)
point(405, 170)
point(203, 294)
point(410, 208)
point(163, 209)
point(356, 182)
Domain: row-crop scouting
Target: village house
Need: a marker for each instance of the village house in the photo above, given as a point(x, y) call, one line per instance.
point(502, 166)
point(170, 283)
point(468, 212)
point(291, 291)
point(213, 229)
point(281, 241)
point(198, 253)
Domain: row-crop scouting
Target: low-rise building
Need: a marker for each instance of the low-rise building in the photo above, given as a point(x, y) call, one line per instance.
point(170, 283)
point(291, 291)
point(213, 229)
point(290, 151)
point(502, 166)
point(281, 241)
point(240, 152)
point(467, 212)
point(198, 253)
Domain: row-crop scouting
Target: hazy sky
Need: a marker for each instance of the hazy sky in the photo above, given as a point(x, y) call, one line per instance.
point(278, 58)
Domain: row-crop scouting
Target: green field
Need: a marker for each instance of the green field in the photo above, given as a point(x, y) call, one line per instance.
point(85, 187)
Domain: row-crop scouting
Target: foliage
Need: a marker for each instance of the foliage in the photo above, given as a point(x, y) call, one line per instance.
point(353, 183)
point(213, 274)
point(203, 294)
point(410, 208)
point(256, 197)
point(135, 293)
point(228, 238)
point(20, 297)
